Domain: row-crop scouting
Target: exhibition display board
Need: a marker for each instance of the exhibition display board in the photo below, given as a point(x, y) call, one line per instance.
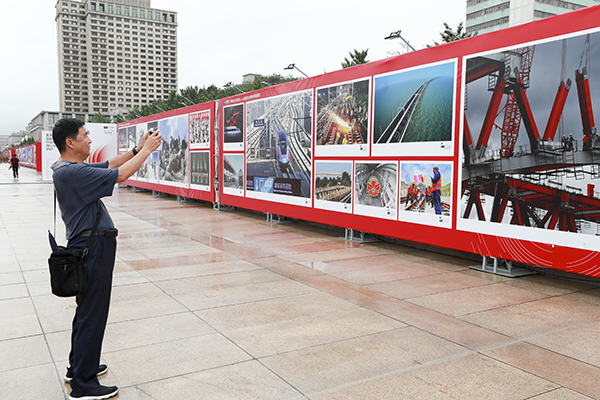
point(486, 145)
point(184, 164)
point(29, 155)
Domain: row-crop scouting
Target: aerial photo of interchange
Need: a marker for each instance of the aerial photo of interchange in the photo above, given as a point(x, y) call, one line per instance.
point(278, 144)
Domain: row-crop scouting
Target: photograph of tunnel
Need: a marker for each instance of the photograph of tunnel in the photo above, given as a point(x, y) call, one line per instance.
point(233, 174)
point(530, 145)
point(233, 127)
point(375, 189)
point(278, 146)
point(173, 152)
point(413, 110)
point(343, 118)
point(200, 170)
point(200, 130)
point(333, 185)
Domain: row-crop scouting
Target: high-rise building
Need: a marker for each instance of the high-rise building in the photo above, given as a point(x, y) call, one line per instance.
point(490, 15)
point(114, 55)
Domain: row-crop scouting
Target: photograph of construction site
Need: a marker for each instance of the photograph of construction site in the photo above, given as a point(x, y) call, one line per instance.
point(233, 127)
point(375, 189)
point(200, 170)
point(173, 152)
point(343, 119)
point(200, 130)
point(278, 146)
point(233, 174)
point(333, 185)
point(413, 111)
point(426, 192)
point(530, 145)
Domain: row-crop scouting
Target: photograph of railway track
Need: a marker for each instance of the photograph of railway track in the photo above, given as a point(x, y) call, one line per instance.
point(375, 189)
point(278, 147)
point(414, 107)
point(233, 174)
point(531, 151)
point(233, 127)
point(200, 130)
point(173, 153)
point(342, 118)
point(200, 170)
point(333, 185)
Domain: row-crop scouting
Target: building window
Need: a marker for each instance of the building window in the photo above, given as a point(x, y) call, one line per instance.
point(157, 16)
point(126, 11)
point(118, 10)
point(110, 9)
point(134, 12)
point(142, 13)
point(92, 6)
point(101, 7)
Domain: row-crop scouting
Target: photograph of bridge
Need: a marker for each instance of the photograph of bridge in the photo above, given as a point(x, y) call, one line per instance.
point(333, 185)
point(414, 106)
point(342, 116)
point(279, 143)
point(531, 152)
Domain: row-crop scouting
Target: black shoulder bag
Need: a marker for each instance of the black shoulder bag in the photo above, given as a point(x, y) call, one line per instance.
point(67, 266)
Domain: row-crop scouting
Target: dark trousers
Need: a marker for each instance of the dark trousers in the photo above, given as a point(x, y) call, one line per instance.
point(15, 172)
point(91, 313)
point(436, 195)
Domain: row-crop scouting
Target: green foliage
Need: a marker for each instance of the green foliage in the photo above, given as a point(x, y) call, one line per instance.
point(451, 36)
point(356, 58)
point(25, 141)
point(100, 119)
point(196, 95)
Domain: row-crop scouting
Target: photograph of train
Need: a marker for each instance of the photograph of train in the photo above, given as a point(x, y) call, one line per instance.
point(426, 187)
point(233, 174)
point(233, 127)
point(375, 187)
point(278, 144)
point(414, 105)
point(200, 130)
point(530, 145)
point(173, 153)
point(333, 183)
point(343, 114)
point(200, 169)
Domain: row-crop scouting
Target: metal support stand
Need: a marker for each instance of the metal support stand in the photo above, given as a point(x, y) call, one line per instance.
point(278, 219)
point(181, 199)
point(222, 207)
point(363, 237)
point(503, 267)
point(158, 194)
point(138, 190)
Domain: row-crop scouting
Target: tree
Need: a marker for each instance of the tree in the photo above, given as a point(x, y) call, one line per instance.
point(99, 118)
point(356, 58)
point(448, 35)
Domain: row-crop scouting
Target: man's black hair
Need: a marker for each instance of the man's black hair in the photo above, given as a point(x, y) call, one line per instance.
point(63, 129)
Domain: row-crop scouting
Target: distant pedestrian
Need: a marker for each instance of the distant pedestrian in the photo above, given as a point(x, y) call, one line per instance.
point(14, 164)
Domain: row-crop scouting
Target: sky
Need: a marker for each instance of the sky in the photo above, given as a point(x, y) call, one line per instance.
point(220, 41)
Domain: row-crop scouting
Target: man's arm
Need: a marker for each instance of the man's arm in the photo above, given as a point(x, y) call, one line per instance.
point(128, 168)
point(121, 159)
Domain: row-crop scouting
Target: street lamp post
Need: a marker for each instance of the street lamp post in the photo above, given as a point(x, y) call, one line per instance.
point(396, 35)
point(193, 104)
point(230, 84)
point(293, 66)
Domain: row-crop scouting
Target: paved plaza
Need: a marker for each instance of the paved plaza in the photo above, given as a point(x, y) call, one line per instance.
point(223, 305)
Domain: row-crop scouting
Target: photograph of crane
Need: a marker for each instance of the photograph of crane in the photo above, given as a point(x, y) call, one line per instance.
point(278, 145)
point(342, 118)
point(375, 189)
point(414, 106)
point(530, 145)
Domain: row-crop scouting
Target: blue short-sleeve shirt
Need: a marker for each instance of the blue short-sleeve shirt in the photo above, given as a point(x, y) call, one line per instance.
point(79, 188)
